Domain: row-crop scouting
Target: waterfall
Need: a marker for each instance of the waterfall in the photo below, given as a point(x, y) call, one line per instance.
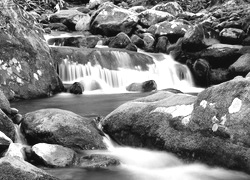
point(164, 71)
point(19, 136)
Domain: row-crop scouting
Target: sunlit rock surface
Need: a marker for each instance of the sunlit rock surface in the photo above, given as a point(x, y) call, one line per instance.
point(26, 66)
point(56, 126)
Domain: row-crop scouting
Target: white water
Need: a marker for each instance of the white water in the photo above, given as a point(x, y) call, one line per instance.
point(165, 72)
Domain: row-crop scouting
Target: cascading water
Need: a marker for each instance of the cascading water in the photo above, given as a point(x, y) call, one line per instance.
point(165, 72)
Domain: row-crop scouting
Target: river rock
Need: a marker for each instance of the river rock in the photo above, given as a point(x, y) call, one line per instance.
point(131, 47)
point(76, 88)
point(146, 86)
point(232, 36)
point(121, 40)
point(162, 44)
point(7, 126)
point(4, 103)
point(53, 155)
point(150, 17)
point(241, 66)
point(4, 142)
point(58, 27)
point(212, 129)
point(149, 42)
point(83, 23)
point(26, 69)
point(56, 126)
point(110, 20)
point(16, 150)
point(16, 169)
point(174, 29)
point(199, 37)
point(171, 7)
point(137, 41)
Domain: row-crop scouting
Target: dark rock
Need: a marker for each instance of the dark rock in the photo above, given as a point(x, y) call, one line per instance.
point(7, 126)
point(162, 44)
point(146, 86)
point(16, 169)
point(53, 155)
point(17, 119)
point(241, 66)
point(137, 41)
point(219, 75)
point(58, 27)
point(71, 26)
point(149, 42)
point(171, 7)
point(150, 17)
point(76, 88)
point(55, 126)
point(232, 36)
point(246, 41)
point(201, 69)
point(198, 38)
point(110, 20)
point(131, 47)
point(121, 40)
point(27, 69)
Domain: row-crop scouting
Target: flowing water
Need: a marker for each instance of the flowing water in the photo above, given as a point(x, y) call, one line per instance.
point(136, 163)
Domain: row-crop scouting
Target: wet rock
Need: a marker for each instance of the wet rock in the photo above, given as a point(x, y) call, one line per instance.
point(56, 126)
point(246, 41)
point(17, 119)
point(14, 111)
point(131, 47)
point(7, 126)
point(149, 42)
point(232, 36)
point(211, 129)
point(76, 88)
point(162, 44)
point(26, 69)
point(202, 69)
point(172, 29)
point(4, 142)
point(146, 86)
point(4, 103)
point(58, 27)
point(219, 75)
point(16, 169)
point(241, 66)
point(150, 17)
point(221, 55)
point(121, 40)
point(83, 23)
point(53, 155)
point(137, 41)
point(198, 38)
point(171, 7)
point(110, 20)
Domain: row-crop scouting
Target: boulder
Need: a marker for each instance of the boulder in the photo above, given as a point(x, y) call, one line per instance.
point(110, 20)
point(53, 155)
point(83, 23)
point(241, 66)
point(4, 103)
point(149, 42)
point(199, 37)
point(26, 69)
point(171, 7)
point(7, 126)
point(162, 44)
point(70, 15)
point(232, 36)
point(172, 29)
point(221, 55)
point(121, 40)
point(56, 126)
point(201, 69)
point(76, 88)
point(219, 75)
point(15, 169)
point(150, 17)
point(146, 86)
point(4, 142)
point(212, 128)
point(137, 41)
point(131, 47)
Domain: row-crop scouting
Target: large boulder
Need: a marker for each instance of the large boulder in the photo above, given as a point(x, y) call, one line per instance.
point(56, 126)
point(150, 17)
point(171, 7)
point(16, 169)
point(110, 20)
point(212, 129)
point(53, 155)
point(7, 126)
point(241, 66)
point(26, 69)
